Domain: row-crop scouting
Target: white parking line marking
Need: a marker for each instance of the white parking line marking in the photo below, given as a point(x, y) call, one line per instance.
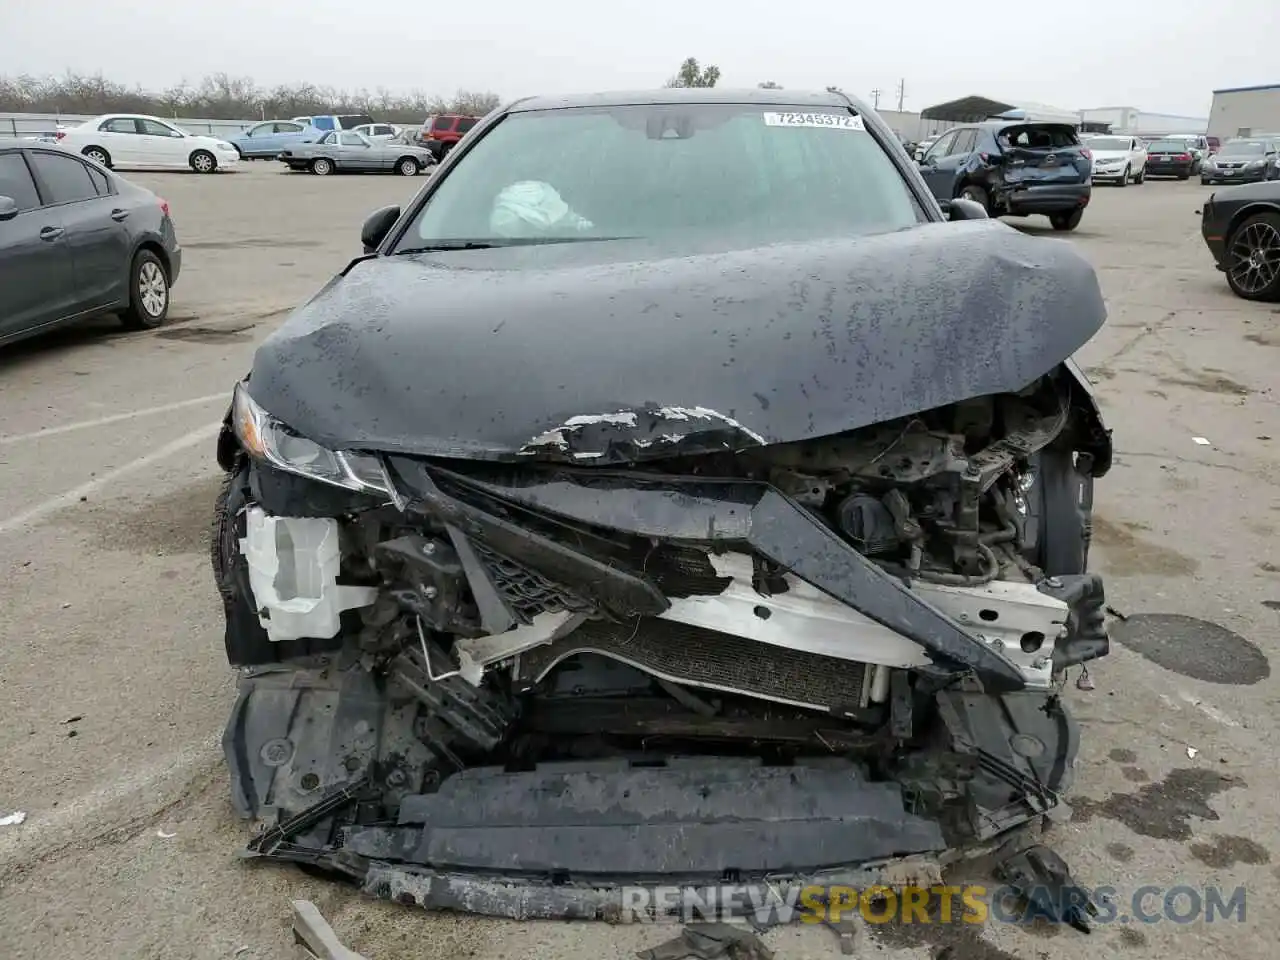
point(225, 397)
point(54, 504)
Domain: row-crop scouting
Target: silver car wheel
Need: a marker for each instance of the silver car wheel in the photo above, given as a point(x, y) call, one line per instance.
point(153, 289)
point(202, 162)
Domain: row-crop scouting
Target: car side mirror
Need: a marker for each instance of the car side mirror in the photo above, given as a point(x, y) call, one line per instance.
point(377, 226)
point(8, 208)
point(962, 209)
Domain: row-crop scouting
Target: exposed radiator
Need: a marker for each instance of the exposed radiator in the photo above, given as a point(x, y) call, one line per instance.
point(716, 661)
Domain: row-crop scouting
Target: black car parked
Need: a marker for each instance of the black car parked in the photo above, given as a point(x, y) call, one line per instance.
point(1242, 160)
point(1241, 226)
point(76, 240)
point(1014, 168)
point(1170, 158)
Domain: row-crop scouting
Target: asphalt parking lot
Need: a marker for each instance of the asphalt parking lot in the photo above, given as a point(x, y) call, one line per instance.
point(114, 686)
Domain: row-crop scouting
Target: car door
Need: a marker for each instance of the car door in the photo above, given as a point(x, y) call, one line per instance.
point(95, 219)
point(945, 170)
point(119, 136)
point(165, 146)
point(929, 165)
point(287, 134)
point(261, 140)
point(358, 153)
point(37, 282)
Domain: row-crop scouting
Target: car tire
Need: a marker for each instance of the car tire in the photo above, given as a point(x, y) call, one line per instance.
point(971, 191)
point(1141, 178)
point(1124, 178)
point(1184, 176)
point(98, 156)
point(1253, 249)
point(1067, 220)
point(407, 167)
point(322, 166)
point(202, 161)
point(148, 293)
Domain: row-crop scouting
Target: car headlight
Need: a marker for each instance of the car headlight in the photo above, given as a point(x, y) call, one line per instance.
point(1254, 164)
point(268, 439)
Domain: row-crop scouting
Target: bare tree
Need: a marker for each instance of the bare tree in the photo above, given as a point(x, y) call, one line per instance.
point(691, 74)
point(222, 96)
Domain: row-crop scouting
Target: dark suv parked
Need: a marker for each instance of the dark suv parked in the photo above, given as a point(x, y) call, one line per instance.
point(439, 134)
point(1013, 168)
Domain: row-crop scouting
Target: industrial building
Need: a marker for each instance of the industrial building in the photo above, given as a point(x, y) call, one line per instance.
point(1135, 122)
point(1245, 111)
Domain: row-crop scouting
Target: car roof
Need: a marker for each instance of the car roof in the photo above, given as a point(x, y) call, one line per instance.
point(131, 116)
point(678, 95)
point(1010, 122)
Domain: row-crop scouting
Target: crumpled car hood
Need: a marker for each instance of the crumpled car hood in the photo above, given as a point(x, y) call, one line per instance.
point(606, 351)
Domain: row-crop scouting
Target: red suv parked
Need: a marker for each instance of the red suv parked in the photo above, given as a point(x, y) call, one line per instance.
point(439, 134)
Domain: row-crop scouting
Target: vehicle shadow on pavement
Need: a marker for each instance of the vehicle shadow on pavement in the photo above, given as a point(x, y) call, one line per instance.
point(1033, 228)
point(98, 331)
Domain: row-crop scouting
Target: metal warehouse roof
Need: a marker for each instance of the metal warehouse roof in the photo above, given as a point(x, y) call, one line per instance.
point(1265, 86)
point(974, 109)
point(965, 110)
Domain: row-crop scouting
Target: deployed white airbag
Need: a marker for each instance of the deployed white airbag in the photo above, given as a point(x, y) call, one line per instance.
point(531, 208)
point(293, 572)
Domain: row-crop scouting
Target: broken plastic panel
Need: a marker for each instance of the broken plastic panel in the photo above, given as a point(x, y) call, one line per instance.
point(293, 572)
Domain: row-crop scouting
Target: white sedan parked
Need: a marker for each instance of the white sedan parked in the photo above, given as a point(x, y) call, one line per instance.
point(378, 132)
point(130, 141)
point(1118, 158)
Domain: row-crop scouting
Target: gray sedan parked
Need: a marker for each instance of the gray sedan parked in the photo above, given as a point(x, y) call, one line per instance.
point(348, 151)
point(76, 240)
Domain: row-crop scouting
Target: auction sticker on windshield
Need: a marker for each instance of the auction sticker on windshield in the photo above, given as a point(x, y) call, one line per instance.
point(831, 121)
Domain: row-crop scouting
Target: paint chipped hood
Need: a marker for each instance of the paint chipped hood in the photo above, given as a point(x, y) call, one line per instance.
point(614, 351)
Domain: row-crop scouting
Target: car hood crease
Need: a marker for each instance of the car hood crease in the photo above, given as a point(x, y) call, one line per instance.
point(504, 354)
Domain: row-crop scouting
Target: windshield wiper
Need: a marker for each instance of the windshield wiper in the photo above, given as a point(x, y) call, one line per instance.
point(443, 245)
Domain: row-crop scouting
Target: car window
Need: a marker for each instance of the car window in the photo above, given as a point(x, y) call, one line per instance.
point(715, 173)
point(65, 179)
point(260, 130)
point(941, 146)
point(964, 142)
point(153, 128)
point(1041, 136)
point(119, 125)
point(1110, 143)
point(1243, 148)
point(100, 181)
point(466, 123)
point(352, 139)
point(329, 138)
point(322, 123)
point(440, 124)
point(385, 130)
point(288, 128)
point(16, 182)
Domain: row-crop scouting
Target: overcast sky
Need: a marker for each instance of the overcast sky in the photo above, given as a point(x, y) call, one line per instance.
point(1161, 57)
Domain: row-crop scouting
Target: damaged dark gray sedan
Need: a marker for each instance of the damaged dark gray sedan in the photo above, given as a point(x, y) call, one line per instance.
point(673, 493)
